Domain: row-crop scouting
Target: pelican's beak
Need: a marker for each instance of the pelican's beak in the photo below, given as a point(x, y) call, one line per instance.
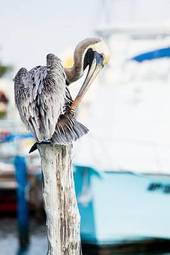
point(94, 68)
point(101, 58)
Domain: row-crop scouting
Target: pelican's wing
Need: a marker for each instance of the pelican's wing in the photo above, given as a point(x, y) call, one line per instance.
point(26, 99)
point(23, 98)
point(39, 96)
point(51, 94)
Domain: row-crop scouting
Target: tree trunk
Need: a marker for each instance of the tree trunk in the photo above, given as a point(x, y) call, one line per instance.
point(63, 220)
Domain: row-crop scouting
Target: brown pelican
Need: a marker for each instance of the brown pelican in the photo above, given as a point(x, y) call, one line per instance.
point(43, 99)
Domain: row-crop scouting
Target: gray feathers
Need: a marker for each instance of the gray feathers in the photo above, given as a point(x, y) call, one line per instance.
point(68, 129)
point(40, 95)
point(43, 102)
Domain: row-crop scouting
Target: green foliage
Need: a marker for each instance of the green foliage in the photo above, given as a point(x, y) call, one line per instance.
point(4, 69)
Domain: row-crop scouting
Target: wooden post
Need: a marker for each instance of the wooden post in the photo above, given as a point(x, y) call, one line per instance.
point(63, 220)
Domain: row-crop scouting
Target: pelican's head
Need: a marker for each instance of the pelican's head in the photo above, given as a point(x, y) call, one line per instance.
point(92, 53)
point(98, 51)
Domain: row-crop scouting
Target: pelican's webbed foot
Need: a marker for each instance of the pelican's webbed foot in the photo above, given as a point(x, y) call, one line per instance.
point(34, 147)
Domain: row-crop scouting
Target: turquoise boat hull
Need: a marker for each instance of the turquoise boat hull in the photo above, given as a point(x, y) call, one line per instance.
point(117, 206)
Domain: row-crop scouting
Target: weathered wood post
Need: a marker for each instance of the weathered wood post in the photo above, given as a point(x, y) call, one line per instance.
point(63, 220)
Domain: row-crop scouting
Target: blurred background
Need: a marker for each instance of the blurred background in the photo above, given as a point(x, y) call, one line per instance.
point(122, 166)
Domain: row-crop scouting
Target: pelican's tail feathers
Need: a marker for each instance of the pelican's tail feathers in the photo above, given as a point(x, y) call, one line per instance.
point(68, 129)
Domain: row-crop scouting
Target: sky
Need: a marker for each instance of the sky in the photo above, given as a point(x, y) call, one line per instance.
point(32, 28)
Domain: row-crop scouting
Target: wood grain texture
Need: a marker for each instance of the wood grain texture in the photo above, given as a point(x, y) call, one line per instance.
point(63, 220)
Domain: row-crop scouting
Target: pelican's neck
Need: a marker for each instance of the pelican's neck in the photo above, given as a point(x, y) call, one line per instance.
point(76, 71)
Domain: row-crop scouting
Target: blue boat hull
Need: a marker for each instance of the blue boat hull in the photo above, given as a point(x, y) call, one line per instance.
point(116, 207)
point(154, 54)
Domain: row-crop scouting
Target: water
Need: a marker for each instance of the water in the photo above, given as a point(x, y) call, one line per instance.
point(9, 239)
point(9, 242)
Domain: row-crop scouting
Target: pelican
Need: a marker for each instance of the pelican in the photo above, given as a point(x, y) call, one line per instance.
point(43, 99)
